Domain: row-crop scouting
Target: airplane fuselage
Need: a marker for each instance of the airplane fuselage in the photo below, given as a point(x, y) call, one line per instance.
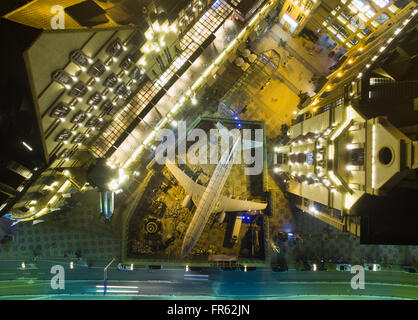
point(209, 200)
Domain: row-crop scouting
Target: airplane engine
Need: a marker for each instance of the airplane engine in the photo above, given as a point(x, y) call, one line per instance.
point(221, 217)
point(187, 202)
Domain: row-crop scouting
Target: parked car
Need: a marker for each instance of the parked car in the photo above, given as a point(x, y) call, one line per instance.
point(372, 267)
point(125, 267)
point(343, 267)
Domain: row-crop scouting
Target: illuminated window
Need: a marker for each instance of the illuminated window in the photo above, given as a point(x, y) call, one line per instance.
point(109, 108)
point(92, 122)
point(62, 77)
point(354, 41)
point(110, 81)
point(309, 5)
point(300, 17)
point(382, 18)
point(340, 29)
point(168, 55)
point(65, 153)
point(95, 99)
point(64, 135)
point(79, 138)
point(126, 63)
point(366, 31)
point(97, 69)
point(115, 48)
point(79, 117)
point(60, 111)
point(136, 74)
point(78, 90)
point(121, 89)
point(79, 58)
point(160, 62)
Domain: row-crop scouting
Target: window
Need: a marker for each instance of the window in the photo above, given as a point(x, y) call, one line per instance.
point(382, 18)
point(109, 108)
point(300, 17)
point(79, 138)
point(346, 15)
point(95, 99)
point(79, 58)
point(121, 89)
point(340, 29)
point(309, 5)
point(92, 122)
point(366, 31)
point(160, 62)
point(115, 48)
point(78, 90)
point(137, 74)
point(354, 41)
point(110, 81)
point(60, 111)
point(168, 55)
point(62, 77)
point(65, 153)
point(357, 157)
point(64, 135)
point(79, 117)
point(97, 69)
point(135, 55)
point(126, 63)
point(289, 9)
point(309, 157)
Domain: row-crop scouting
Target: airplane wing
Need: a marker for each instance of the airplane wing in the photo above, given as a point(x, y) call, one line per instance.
point(192, 188)
point(229, 204)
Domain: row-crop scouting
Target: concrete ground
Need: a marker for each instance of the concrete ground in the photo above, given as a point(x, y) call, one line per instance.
point(82, 228)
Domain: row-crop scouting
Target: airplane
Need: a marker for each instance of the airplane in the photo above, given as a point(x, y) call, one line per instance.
point(209, 200)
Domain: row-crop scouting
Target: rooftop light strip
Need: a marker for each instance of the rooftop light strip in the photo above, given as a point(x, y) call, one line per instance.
point(373, 156)
point(334, 178)
point(397, 31)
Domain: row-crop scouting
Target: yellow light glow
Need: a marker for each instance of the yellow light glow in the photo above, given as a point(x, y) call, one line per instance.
point(64, 186)
point(53, 199)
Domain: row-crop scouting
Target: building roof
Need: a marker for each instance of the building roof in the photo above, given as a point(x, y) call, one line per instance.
point(79, 14)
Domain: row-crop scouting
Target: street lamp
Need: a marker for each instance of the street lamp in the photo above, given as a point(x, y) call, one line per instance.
point(105, 276)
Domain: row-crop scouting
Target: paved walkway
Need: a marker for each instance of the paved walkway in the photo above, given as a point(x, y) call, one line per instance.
point(316, 60)
point(82, 228)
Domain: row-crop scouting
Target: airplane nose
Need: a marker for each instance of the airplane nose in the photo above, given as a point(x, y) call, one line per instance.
point(185, 249)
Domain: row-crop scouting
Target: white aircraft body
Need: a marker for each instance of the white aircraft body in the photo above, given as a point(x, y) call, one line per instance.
point(209, 200)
